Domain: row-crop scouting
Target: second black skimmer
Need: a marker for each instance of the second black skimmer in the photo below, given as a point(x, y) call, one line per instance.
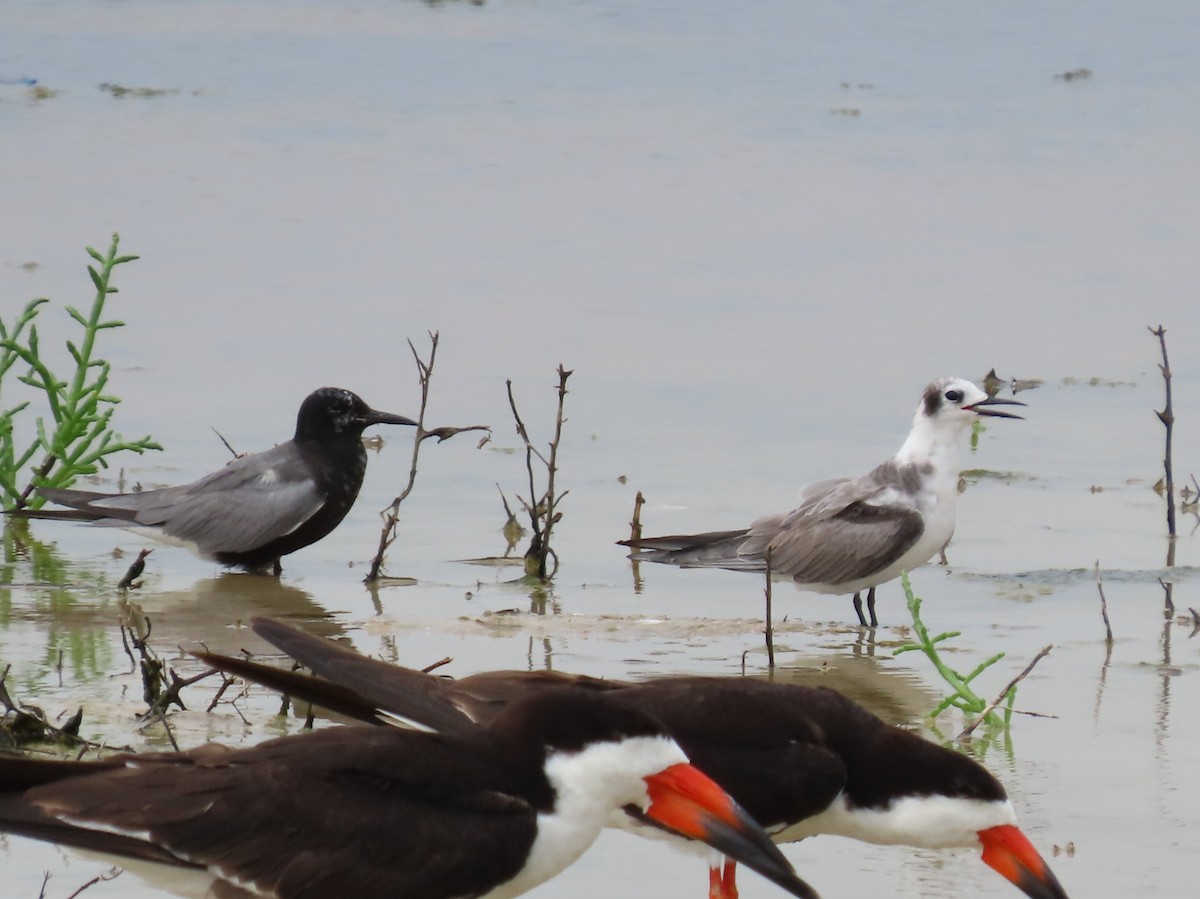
point(383, 812)
point(852, 534)
point(801, 760)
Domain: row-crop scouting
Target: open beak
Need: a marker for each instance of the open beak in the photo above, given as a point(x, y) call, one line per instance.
point(995, 413)
point(1009, 851)
point(373, 417)
point(685, 801)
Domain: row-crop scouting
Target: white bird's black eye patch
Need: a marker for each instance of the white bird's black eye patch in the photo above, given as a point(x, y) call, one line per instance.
point(954, 396)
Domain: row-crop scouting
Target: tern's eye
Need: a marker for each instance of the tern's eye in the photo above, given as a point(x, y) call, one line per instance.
point(954, 396)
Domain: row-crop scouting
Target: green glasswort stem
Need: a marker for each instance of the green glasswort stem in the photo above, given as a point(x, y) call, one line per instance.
point(963, 696)
point(80, 410)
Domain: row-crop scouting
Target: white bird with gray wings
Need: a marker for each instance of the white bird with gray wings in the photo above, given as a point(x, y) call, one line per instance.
point(852, 534)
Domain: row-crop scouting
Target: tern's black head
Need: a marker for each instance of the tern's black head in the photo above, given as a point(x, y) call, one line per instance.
point(331, 411)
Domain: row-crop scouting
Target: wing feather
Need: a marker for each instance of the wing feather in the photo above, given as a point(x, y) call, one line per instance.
point(344, 811)
point(247, 504)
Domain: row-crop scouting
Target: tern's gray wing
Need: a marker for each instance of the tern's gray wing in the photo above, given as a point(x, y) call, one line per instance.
point(857, 542)
point(827, 498)
point(845, 529)
point(248, 503)
point(817, 492)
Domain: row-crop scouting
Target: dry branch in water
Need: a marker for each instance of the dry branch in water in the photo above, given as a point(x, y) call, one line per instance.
point(1103, 607)
point(111, 874)
point(1045, 651)
point(1167, 417)
point(635, 524)
point(24, 723)
point(770, 627)
point(391, 515)
point(135, 571)
point(543, 513)
point(161, 686)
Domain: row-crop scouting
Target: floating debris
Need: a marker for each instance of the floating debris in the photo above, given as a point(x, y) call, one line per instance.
point(118, 90)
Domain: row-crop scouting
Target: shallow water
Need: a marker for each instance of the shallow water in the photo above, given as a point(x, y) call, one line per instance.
point(754, 235)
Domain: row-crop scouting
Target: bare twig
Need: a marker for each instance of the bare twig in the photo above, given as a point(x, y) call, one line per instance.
point(171, 695)
point(24, 722)
point(770, 629)
point(1108, 639)
point(39, 476)
point(135, 571)
point(161, 686)
point(135, 635)
point(1168, 591)
point(221, 437)
point(391, 515)
point(508, 512)
point(543, 513)
point(1045, 651)
point(160, 715)
point(635, 534)
point(635, 525)
point(445, 433)
point(4, 697)
point(226, 683)
point(1167, 417)
point(513, 530)
point(110, 874)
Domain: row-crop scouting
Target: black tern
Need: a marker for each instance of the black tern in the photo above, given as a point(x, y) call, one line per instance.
point(259, 507)
point(852, 534)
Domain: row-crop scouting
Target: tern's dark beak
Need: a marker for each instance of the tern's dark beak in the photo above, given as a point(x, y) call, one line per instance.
point(373, 417)
point(995, 413)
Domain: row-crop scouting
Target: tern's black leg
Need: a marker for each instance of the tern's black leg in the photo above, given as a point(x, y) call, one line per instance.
point(870, 607)
point(862, 621)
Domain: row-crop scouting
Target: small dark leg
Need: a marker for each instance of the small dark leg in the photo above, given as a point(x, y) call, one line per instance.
point(871, 607)
point(277, 570)
point(862, 621)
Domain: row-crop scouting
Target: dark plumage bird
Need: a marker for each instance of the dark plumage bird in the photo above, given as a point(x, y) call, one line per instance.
point(801, 760)
point(852, 534)
point(257, 508)
point(374, 812)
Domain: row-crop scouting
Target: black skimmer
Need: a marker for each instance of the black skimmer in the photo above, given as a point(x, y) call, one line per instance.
point(852, 534)
point(801, 760)
point(375, 812)
point(257, 508)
